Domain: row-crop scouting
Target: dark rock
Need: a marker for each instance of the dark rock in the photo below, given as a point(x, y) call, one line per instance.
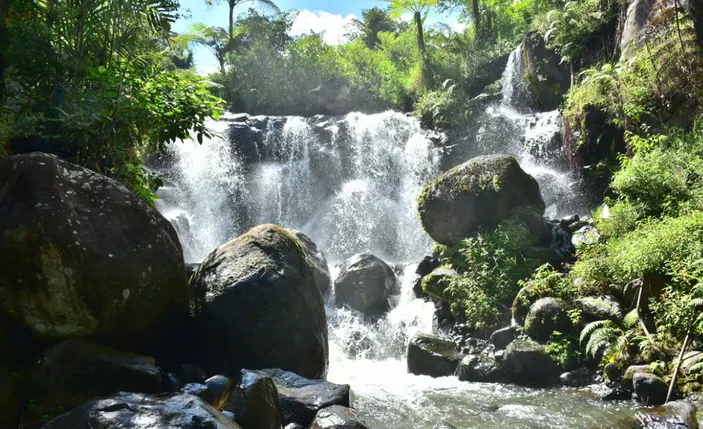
point(480, 368)
point(616, 393)
point(111, 269)
point(191, 373)
point(255, 402)
point(599, 308)
point(522, 303)
point(673, 415)
point(317, 259)
point(627, 378)
point(428, 355)
point(546, 316)
point(526, 363)
point(221, 388)
point(137, 411)
point(502, 337)
point(478, 193)
point(201, 391)
point(443, 320)
point(75, 371)
point(443, 425)
point(257, 306)
point(366, 284)
point(426, 266)
point(191, 268)
point(548, 77)
point(302, 398)
point(438, 280)
point(9, 402)
point(171, 383)
point(578, 378)
point(337, 417)
point(649, 388)
point(612, 372)
point(294, 426)
point(569, 220)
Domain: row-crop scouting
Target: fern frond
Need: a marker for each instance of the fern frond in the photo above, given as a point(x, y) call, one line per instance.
point(591, 327)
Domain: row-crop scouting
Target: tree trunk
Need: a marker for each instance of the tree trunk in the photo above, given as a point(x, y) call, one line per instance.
point(477, 19)
point(420, 34)
point(232, 4)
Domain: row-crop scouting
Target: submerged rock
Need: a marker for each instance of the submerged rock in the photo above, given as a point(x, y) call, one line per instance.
point(673, 415)
point(137, 411)
point(526, 363)
point(443, 425)
point(83, 256)
point(578, 378)
point(546, 316)
point(433, 356)
point(337, 417)
point(75, 371)
point(255, 402)
point(649, 388)
point(478, 193)
point(480, 368)
point(366, 284)
point(257, 306)
point(317, 259)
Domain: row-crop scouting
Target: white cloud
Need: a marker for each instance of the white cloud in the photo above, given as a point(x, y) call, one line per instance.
point(333, 26)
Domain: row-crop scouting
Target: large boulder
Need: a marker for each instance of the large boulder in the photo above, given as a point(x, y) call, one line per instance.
point(480, 368)
point(478, 193)
point(75, 371)
point(317, 259)
point(649, 389)
point(366, 284)
point(599, 308)
point(578, 378)
point(257, 306)
point(255, 402)
point(433, 356)
point(81, 255)
point(504, 336)
point(673, 415)
point(526, 363)
point(546, 316)
point(301, 398)
point(630, 372)
point(137, 411)
point(548, 77)
point(337, 417)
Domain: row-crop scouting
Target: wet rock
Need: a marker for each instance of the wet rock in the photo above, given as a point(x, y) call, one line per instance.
point(433, 356)
point(257, 306)
point(480, 368)
point(255, 402)
point(478, 193)
point(639, 14)
point(191, 268)
point(75, 371)
point(221, 388)
point(630, 373)
point(191, 373)
point(443, 320)
point(599, 308)
point(578, 378)
point(426, 266)
point(366, 284)
point(548, 76)
point(546, 316)
point(138, 411)
point(673, 415)
point(112, 268)
point(526, 363)
point(504, 336)
point(616, 393)
point(9, 402)
point(612, 372)
point(171, 383)
point(438, 280)
point(649, 388)
point(201, 391)
point(443, 425)
point(337, 417)
point(301, 398)
point(317, 259)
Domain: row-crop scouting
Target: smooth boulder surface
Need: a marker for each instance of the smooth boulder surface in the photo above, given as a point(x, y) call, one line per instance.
point(301, 398)
point(478, 193)
point(526, 363)
point(221, 388)
point(255, 402)
point(480, 368)
point(317, 259)
point(137, 411)
point(502, 337)
point(599, 308)
point(433, 356)
point(649, 389)
point(337, 417)
point(75, 371)
point(673, 415)
point(630, 374)
point(81, 255)
point(257, 306)
point(366, 284)
point(546, 316)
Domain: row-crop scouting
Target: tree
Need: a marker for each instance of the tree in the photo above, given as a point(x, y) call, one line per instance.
point(215, 39)
point(374, 21)
point(234, 3)
point(419, 9)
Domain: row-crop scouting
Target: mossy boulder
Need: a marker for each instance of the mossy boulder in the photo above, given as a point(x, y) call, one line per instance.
point(526, 363)
point(477, 194)
point(480, 368)
point(317, 259)
point(548, 78)
point(83, 256)
point(630, 374)
point(366, 284)
point(256, 305)
point(546, 316)
point(649, 389)
point(433, 356)
point(438, 280)
point(675, 414)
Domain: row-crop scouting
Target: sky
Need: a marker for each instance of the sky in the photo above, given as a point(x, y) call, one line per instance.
point(330, 16)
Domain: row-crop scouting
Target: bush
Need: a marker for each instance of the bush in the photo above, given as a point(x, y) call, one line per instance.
point(564, 350)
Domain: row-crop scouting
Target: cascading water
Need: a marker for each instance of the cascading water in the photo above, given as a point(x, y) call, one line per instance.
point(351, 183)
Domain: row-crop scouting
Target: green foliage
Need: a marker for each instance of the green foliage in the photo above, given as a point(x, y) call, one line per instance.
point(564, 350)
point(490, 265)
point(678, 311)
point(610, 341)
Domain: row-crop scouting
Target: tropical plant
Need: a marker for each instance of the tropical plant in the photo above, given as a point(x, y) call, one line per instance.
point(232, 4)
point(419, 10)
point(610, 340)
point(215, 39)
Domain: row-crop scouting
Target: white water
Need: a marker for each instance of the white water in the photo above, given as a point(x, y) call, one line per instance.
point(351, 184)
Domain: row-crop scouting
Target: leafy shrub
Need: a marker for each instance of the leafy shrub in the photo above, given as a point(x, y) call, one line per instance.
point(564, 350)
point(612, 341)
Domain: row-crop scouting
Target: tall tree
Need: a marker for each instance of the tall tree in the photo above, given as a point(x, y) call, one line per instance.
point(215, 39)
point(234, 3)
point(419, 9)
point(374, 21)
